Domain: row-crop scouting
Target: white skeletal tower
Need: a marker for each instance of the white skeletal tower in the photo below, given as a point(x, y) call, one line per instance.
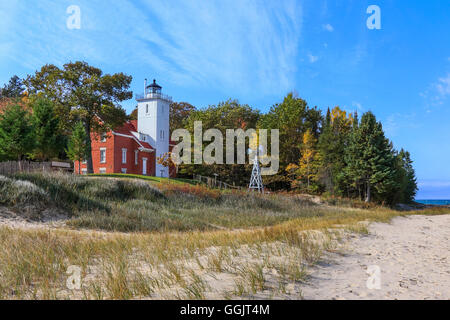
point(256, 178)
point(153, 122)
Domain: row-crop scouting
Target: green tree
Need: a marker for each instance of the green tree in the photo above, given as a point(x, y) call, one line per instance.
point(13, 89)
point(225, 115)
point(179, 113)
point(77, 147)
point(16, 133)
point(370, 160)
point(48, 139)
point(82, 92)
point(293, 117)
point(332, 143)
point(406, 179)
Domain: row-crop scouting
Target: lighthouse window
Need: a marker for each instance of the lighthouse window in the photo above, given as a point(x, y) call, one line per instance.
point(146, 108)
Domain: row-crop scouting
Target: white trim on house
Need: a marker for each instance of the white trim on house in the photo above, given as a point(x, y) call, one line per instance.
point(142, 148)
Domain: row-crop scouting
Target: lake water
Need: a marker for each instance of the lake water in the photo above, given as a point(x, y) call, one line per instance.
point(435, 202)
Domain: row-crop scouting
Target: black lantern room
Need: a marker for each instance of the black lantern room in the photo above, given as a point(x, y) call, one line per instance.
point(154, 88)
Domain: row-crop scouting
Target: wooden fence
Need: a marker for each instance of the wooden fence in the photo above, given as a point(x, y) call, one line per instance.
point(214, 183)
point(12, 167)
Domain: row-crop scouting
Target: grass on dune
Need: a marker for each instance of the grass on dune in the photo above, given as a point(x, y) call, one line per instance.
point(261, 243)
point(123, 266)
point(147, 178)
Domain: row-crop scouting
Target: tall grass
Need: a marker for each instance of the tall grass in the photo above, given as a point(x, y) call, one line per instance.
point(260, 244)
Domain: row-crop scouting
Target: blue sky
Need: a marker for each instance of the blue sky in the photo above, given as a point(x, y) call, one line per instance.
point(204, 52)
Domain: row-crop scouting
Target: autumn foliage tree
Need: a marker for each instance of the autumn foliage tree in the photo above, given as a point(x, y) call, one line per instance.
point(305, 172)
point(166, 161)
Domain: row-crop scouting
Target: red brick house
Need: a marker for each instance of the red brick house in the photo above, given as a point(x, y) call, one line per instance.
point(135, 146)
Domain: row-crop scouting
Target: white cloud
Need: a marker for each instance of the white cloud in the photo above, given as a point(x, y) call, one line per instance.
point(328, 27)
point(358, 106)
point(443, 86)
point(437, 93)
point(312, 58)
point(244, 46)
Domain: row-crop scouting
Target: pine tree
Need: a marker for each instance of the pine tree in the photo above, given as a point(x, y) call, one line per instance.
point(77, 147)
point(406, 178)
point(16, 133)
point(13, 89)
point(370, 160)
point(46, 129)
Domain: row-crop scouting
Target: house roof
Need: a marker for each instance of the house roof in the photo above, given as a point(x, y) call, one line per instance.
point(128, 129)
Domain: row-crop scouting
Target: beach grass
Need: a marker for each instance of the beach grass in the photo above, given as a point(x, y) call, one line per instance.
point(132, 240)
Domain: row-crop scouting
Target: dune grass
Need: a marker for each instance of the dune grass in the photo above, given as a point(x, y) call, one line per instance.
point(146, 178)
point(188, 242)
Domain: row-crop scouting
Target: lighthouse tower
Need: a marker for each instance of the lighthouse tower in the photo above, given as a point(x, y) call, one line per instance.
point(153, 122)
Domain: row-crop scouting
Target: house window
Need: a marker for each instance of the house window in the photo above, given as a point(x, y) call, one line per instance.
point(102, 170)
point(83, 171)
point(146, 108)
point(124, 155)
point(136, 155)
point(103, 137)
point(103, 155)
point(124, 170)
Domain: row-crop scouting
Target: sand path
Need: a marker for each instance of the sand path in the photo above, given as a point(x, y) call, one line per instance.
point(413, 256)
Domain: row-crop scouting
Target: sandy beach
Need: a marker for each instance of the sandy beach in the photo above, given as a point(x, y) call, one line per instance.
point(412, 255)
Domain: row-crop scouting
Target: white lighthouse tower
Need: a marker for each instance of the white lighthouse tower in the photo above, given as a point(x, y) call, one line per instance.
point(153, 122)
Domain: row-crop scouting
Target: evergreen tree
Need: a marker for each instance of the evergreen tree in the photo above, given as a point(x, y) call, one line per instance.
point(47, 135)
point(77, 147)
point(13, 89)
point(16, 133)
point(370, 160)
point(406, 178)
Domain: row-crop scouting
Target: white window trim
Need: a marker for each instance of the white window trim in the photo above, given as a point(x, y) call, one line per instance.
point(102, 149)
point(124, 156)
point(102, 169)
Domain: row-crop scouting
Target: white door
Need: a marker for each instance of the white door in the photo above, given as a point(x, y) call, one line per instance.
point(144, 166)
